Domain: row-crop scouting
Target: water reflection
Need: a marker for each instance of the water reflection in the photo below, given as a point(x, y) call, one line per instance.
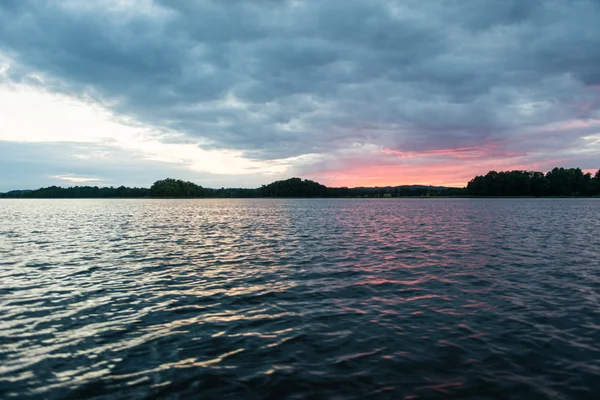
point(316, 298)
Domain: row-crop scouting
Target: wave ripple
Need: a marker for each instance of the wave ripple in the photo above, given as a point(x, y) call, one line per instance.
point(456, 298)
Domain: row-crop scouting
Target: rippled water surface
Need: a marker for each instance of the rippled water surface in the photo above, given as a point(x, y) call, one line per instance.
point(385, 298)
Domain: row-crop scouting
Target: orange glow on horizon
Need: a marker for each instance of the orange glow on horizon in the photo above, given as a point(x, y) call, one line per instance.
point(448, 174)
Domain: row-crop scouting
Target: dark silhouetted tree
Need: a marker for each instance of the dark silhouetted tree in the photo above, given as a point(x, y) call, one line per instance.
point(558, 182)
point(176, 188)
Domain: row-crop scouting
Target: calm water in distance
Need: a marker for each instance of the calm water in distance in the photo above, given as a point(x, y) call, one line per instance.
point(278, 299)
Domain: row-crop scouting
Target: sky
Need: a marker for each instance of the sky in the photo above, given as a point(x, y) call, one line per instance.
point(348, 93)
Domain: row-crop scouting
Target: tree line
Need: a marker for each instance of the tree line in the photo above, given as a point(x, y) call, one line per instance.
point(175, 188)
point(78, 192)
point(558, 182)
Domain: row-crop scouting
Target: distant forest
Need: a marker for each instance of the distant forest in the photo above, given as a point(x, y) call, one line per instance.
point(558, 182)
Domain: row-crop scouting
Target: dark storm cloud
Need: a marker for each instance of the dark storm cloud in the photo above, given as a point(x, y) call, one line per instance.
point(285, 78)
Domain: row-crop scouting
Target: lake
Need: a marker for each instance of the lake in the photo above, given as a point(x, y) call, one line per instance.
point(278, 299)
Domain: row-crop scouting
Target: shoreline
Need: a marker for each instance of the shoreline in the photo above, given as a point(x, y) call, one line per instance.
point(301, 198)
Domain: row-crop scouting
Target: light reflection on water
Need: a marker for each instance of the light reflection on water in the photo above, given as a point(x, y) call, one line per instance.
point(300, 298)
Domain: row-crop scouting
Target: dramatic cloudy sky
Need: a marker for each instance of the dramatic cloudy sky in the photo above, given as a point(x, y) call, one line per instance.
point(346, 92)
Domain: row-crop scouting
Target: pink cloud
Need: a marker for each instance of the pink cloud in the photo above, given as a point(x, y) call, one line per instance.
point(492, 150)
point(576, 124)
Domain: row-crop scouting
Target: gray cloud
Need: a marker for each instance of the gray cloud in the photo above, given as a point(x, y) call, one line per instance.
point(321, 76)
